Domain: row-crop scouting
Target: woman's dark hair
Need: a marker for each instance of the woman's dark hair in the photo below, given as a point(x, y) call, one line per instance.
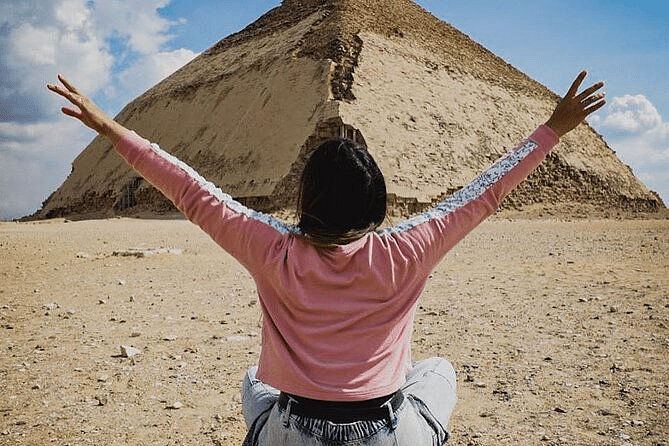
point(342, 194)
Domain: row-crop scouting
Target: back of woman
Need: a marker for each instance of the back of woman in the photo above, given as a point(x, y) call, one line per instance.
point(337, 294)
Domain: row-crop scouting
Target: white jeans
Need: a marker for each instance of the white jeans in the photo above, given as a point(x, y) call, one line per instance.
point(421, 419)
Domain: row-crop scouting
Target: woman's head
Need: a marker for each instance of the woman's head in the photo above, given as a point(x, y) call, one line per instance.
point(342, 193)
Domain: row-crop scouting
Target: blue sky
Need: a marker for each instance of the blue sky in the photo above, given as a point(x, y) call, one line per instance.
point(116, 49)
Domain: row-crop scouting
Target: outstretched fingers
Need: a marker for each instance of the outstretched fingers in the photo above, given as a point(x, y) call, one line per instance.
point(585, 94)
point(86, 111)
point(575, 106)
point(66, 92)
point(576, 84)
point(68, 84)
point(594, 104)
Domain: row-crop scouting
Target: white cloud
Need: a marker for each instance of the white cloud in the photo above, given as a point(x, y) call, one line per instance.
point(631, 113)
point(152, 69)
point(634, 128)
point(136, 21)
point(43, 37)
point(34, 46)
point(36, 159)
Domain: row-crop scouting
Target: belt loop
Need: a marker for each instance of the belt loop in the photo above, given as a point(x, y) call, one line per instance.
point(392, 419)
point(286, 413)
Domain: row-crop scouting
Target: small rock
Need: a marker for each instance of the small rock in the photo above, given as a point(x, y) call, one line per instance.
point(102, 301)
point(127, 351)
point(103, 378)
point(613, 309)
point(102, 399)
point(238, 338)
point(121, 282)
point(480, 384)
point(135, 334)
point(51, 306)
point(637, 423)
point(175, 405)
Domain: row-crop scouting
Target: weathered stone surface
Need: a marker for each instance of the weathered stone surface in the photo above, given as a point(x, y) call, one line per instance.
point(433, 106)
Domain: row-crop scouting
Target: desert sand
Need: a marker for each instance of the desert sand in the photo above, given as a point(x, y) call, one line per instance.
point(558, 331)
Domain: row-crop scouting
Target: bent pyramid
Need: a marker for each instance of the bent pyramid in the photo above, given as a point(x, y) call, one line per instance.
point(433, 106)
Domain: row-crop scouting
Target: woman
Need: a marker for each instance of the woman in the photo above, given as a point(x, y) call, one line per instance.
point(337, 295)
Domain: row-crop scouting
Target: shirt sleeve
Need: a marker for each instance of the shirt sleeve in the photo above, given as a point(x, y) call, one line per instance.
point(430, 235)
point(246, 234)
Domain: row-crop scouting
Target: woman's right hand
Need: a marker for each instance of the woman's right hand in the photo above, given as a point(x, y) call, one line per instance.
point(87, 112)
point(574, 108)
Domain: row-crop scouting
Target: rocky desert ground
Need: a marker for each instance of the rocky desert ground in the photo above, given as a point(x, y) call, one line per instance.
point(137, 331)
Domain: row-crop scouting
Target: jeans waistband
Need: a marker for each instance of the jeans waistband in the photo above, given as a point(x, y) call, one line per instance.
point(342, 412)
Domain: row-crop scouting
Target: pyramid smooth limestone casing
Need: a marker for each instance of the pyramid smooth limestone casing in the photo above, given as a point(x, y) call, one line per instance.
point(433, 107)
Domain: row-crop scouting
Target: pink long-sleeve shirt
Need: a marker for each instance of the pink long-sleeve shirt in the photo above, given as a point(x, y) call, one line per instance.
point(336, 323)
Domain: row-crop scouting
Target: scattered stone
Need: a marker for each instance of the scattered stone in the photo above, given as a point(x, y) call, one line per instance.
point(121, 282)
point(82, 255)
point(169, 338)
point(145, 252)
point(102, 301)
point(102, 399)
point(128, 351)
point(637, 423)
point(480, 384)
point(135, 334)
point(238, 338)
point(51, 306)
point(103, 378)
point(175, 405)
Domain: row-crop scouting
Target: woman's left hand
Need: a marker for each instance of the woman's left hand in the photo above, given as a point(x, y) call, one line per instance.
point(87, 111)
